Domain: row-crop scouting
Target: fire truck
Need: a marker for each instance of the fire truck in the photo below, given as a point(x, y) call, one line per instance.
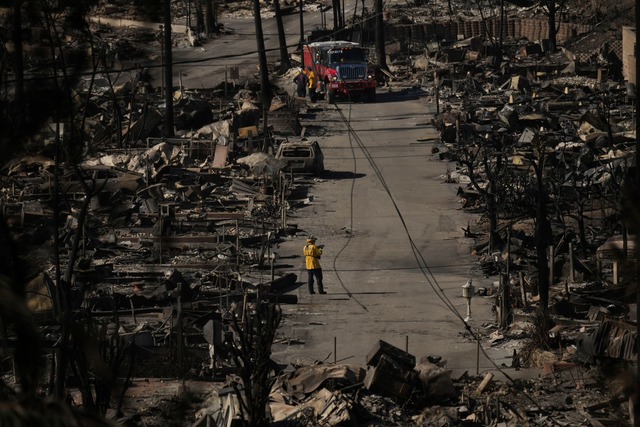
point(342, 70)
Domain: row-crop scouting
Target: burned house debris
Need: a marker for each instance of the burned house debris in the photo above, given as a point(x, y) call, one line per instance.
point(508, 132)
point(542, 145)
point(150, 246)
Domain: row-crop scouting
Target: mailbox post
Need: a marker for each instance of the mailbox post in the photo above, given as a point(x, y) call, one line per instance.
point(467, 292)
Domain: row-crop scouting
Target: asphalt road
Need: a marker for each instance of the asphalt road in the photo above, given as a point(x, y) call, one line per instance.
point(382, 213)
point(205, 66)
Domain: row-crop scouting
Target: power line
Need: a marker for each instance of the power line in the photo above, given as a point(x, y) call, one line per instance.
point(371, 270)
point(136, 67)
point(422, 264)
point(353, 183)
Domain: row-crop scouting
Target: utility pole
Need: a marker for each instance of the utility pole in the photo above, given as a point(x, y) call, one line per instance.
point(301, 42)
point(188, 18)
point(285, 64)
point(380, 51)
point(336, 16)
point(501, 24)
point(162, 61)
point(265, 86)
point(168, 71)
point(636, 406)
point(18, 63)
point(436, 85)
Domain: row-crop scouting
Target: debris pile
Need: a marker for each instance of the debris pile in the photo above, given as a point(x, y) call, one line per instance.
point(394, 390)
point(161, 238)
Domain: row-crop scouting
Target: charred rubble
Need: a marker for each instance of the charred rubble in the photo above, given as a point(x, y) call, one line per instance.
point(501, 128)
point(163, 216)
point(166, 244)
point(153, 249)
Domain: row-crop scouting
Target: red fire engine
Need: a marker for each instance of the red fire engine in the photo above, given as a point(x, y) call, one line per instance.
point(342, 70)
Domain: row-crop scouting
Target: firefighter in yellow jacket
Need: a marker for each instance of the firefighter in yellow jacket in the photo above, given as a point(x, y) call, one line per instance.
point(312, 254)
point(313, 83)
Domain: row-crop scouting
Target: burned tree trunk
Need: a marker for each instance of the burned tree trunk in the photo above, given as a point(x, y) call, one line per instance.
point(285, 64)
point(210, 23)
point(168, 70)
point(250, 349)
point(490, 196)
point(543, 238)
point(552, 9)
point(14, 314)
point(469, 157)
point(200, 24)
point(62, 290)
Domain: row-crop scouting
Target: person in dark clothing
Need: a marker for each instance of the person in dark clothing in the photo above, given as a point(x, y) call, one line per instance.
point(301, 81)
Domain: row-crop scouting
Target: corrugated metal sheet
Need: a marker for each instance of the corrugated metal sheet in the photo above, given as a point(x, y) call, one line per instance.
point(612, 339)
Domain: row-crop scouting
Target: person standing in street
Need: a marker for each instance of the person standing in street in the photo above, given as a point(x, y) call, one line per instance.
point(312, 254)
point(302, 81)
point(313, 82)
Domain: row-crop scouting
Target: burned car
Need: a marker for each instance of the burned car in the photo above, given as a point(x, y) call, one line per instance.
point(304, 156)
